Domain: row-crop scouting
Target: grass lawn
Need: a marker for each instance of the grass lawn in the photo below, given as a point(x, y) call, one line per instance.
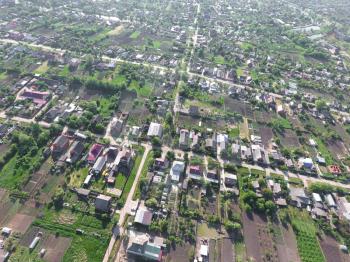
point(135, 35)
point(104, 107)
point(16, 170)
point(42, 68)
point(145, 168)
point(244, 130)
point(204, 230)
point(3, 76)
point(139, 153)
point(144, 91)
point(283, 122)
point(240, 251)
point(233, 133)
point(77, 177)
point(120, 181)
point(322, 148)
point(89, 246)
point(156, 44)
point(219, 60)
point(119, 80)
point(64, 72)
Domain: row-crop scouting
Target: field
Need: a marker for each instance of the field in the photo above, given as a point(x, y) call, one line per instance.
point(149, 160)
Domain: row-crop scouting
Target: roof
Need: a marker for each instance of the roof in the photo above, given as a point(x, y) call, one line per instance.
point(94, 152)
point(204, 250)
point(143, 216)
point(100, 163)
point(61, 141)
point(155, 129)
point(330, 200)
point(316, 197)
point(102, 202)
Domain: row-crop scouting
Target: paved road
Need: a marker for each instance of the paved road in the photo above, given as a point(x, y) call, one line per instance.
point(119, 230)
point(306, 179)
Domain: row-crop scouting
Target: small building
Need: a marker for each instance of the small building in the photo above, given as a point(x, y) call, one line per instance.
point(103, 203)
point(75, 152)
point(143, 216)
point(60, 145)
point(99, 165)
point(298, 197)
point(184, 139)
point(177, 169)
point(140, 248)
point(230, 180)
point(94, 153)
point(155, 130)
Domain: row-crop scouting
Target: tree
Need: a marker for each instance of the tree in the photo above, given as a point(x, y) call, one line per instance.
point(156, 142)
point(152, 202)
point(232, 226)
point(58, 198)
point(170, 155)
point(270, 207)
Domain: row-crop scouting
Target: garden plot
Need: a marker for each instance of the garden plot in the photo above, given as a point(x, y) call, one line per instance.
point(290, 139)
point(55, 247)
point(181, 252)
point(257, 237)
point(286, 244)
point(338, 149)
point(266, 134)
point(331, 250)
point(227, 252)
point(20, 223)
point(237, 106)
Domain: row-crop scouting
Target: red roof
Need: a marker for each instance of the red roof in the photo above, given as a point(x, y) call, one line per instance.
point(94, 152)
point(334, 169)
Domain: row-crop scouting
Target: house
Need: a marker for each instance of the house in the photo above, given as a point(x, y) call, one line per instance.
point(195, 172)
point(124, 161)
point(60, 145)
point(230, 180)
point(213, 175)
point(75, 152)
point(117, 127)
point(307, 163)
point(298, 197)
point(176, 170)
point(184, 139)
point(143, 216)
point(99, 165)
point(161, 163)
point(246, 153)
point(222, 141)
point(257, 157)
point(94, 153)
point(195, 145)
point(155, 130)
point(103, 203)
point(276, 189)
point(141, 248)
